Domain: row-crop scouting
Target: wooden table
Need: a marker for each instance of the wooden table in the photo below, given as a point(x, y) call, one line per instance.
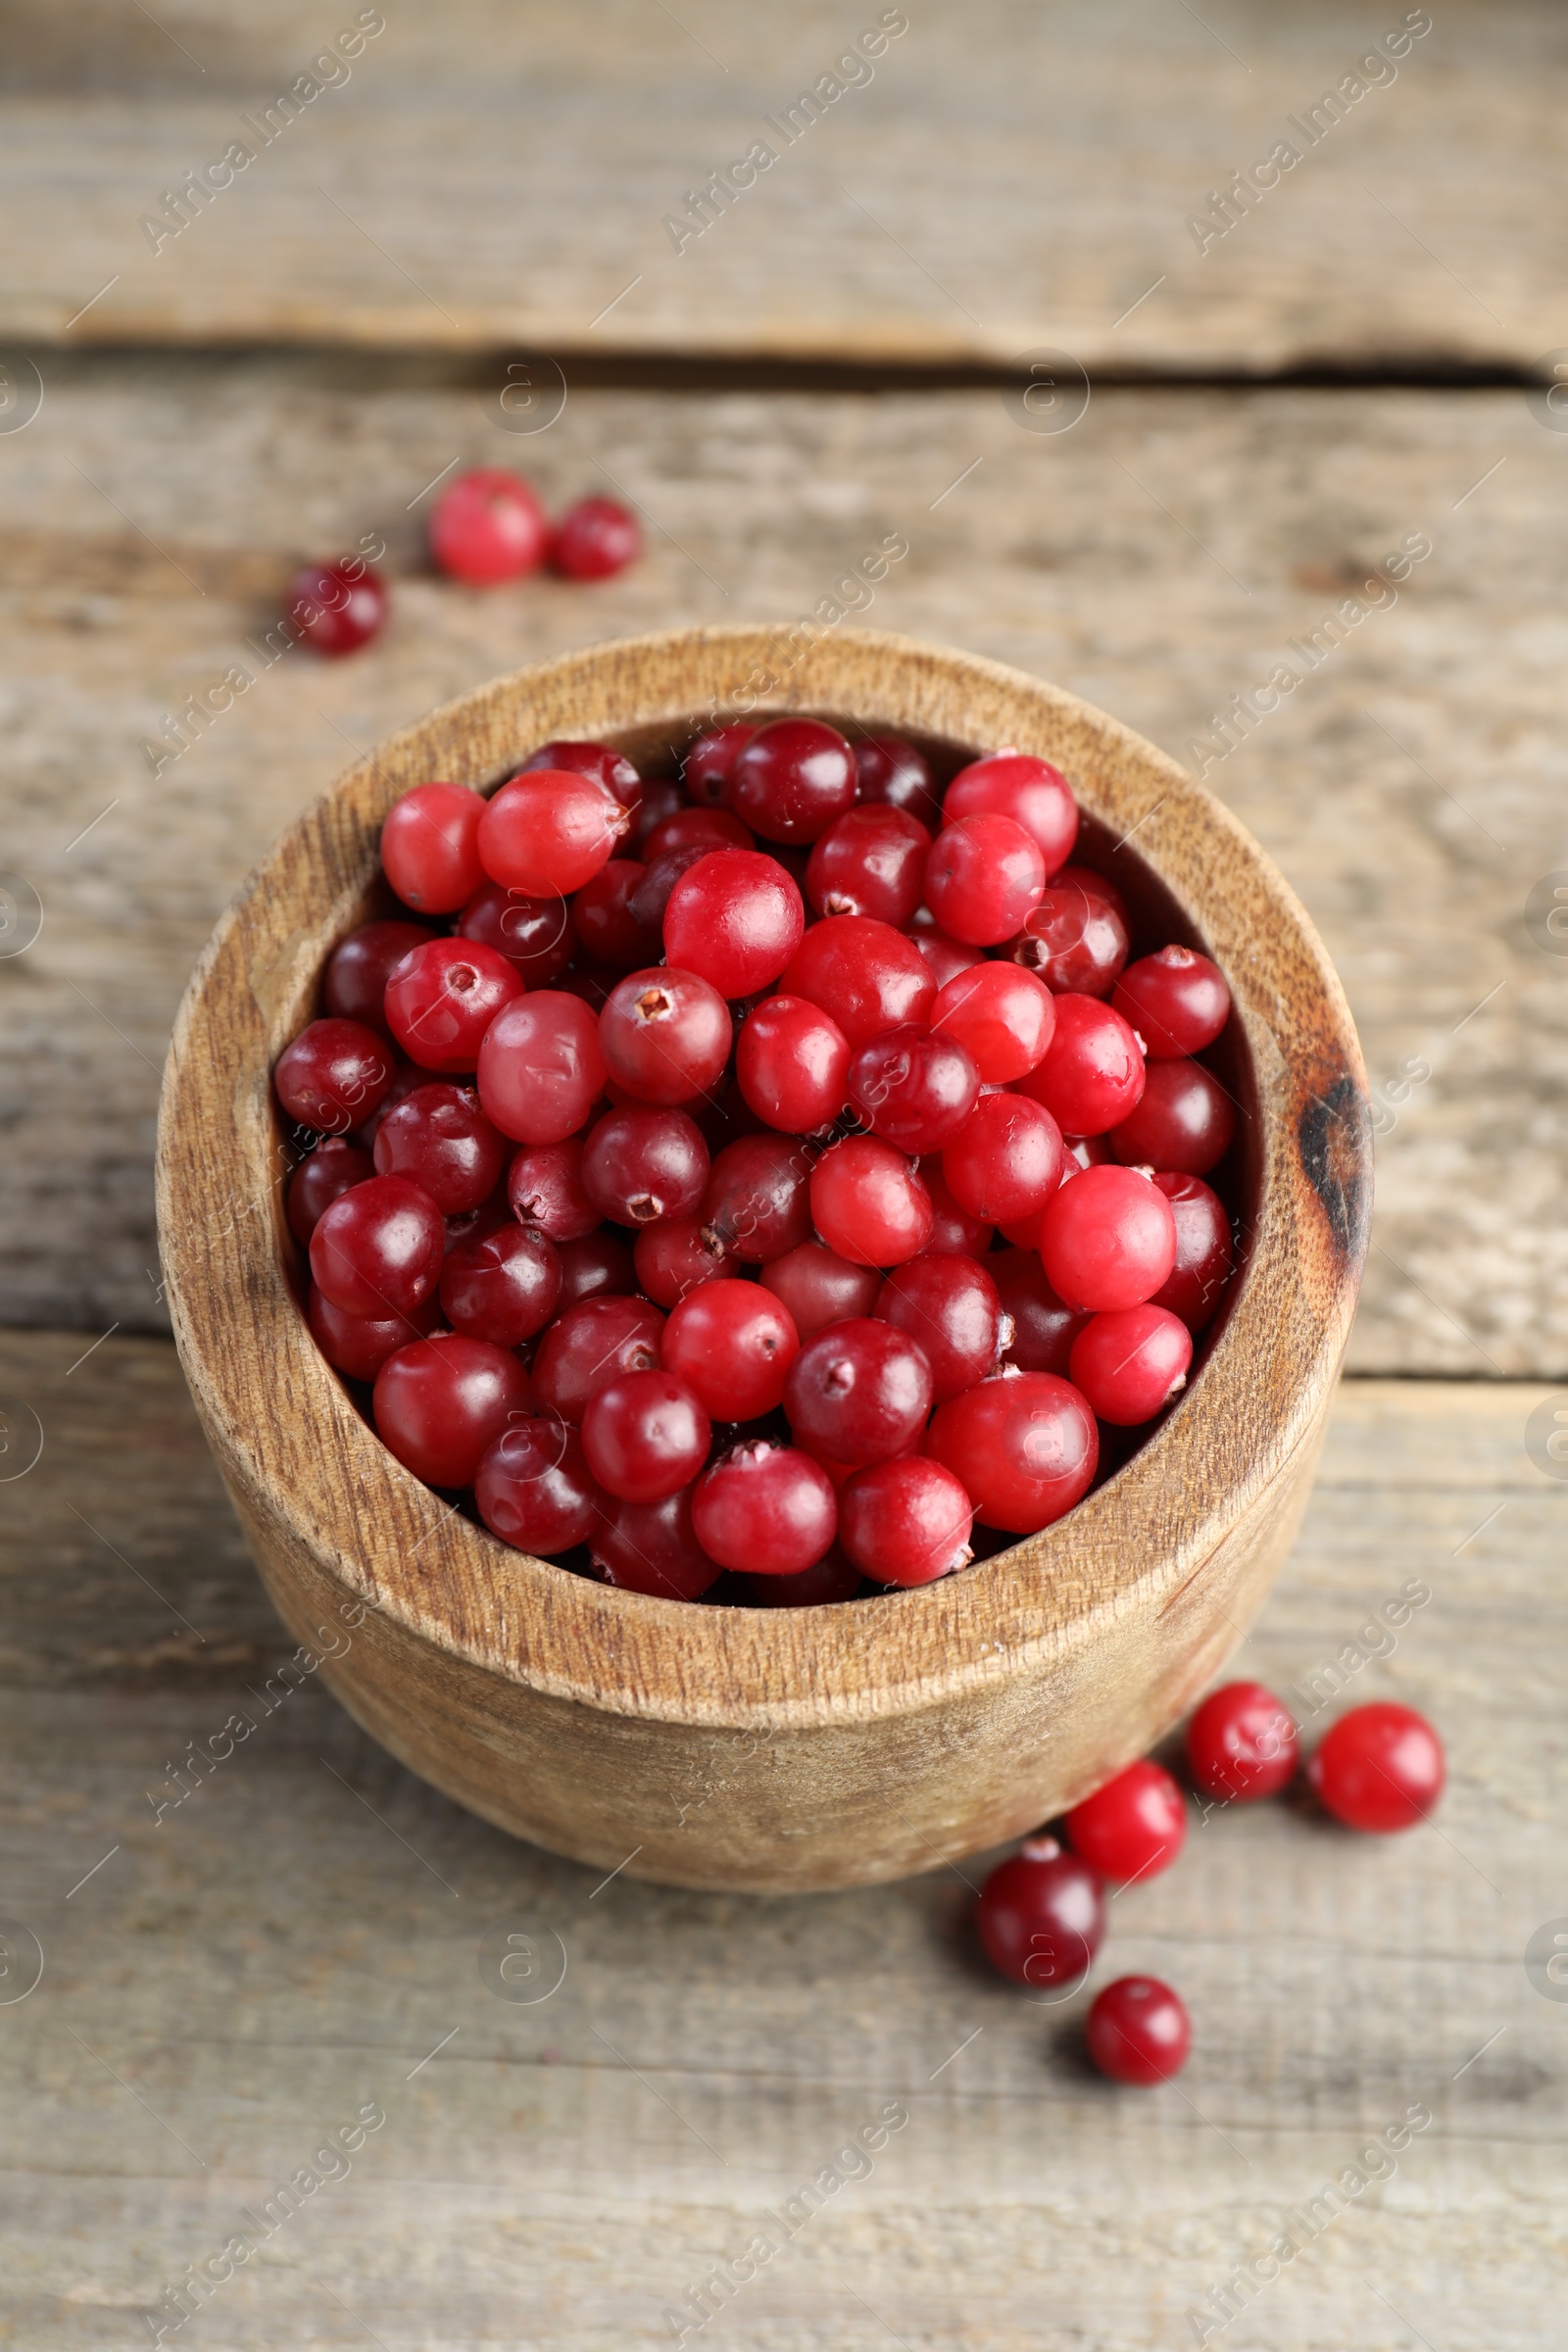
point(228, 1980)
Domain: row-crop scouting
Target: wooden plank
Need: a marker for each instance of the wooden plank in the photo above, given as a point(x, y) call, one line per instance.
point(507, 175)
point(1159, 558)
point(285, 1945)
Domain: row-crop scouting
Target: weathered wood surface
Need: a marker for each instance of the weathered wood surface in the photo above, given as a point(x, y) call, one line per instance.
point(285, 1945)
point(1158, 558)
point(999, 177)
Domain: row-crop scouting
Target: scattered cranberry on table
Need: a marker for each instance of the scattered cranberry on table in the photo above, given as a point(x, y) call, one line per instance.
point(1132, 1828)
point(336, 608)
point(1380, 1768)
point(1138, 2030)
point(1242, 1743)
point(1042, 1915)
point(595, 539)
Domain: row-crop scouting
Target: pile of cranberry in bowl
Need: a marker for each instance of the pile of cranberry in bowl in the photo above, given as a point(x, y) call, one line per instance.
point(770, 1184)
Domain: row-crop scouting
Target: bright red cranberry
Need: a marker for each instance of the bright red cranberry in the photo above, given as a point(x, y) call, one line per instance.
point(895, 774)
point(606, 922)
point(488, 526)
point(833, 1577)
point(440, 1138)
point(860, 1392)
point(652, 1548)
point(1033, 793)
point(1242, 1743)
point(1025, 1447)
point(871, 862)
point(709, 763)
point(548, 831)
point(865, 975)
point(1077, 937)
point(601, 760)
point(1001, 1016)
point(1134, 1826)
point(735, 918)
point(333, 1075)
point(534, 935)
point(1177, 1001)
point(360, 966)
point(644, 1436)
point(336, 608)
point(791, 1062)
point(359, 1345)
point(905, 1522)
point(441, 1403)
point(640, 1165)
point(501, 1285)
point(759, 1199)
point(769, 1509)
point(596, 1265)
point(913, 1086)
point(792, 779)
point(594, 1341)
point(687, 828)
point(1183, 1124)
point(335, 1168)
point(378, 1249)
point(950, 1304)
point(430, 847)
point(1138, 2030)
point(1108, 1240)
point(1205, 1251)
point(680, 1255)
point(545, 1189)
point(595, 539)
point(1131, 1363)
point(1043, 1329)
point(982, 879)
point(1042, 1915)
point(733, 1344)
point(954, 1232)
point(443, 997)
point(534, 1489)
point(540, 1067)
point(819, 1288)
point(869, 1203)
point(664, 1035)
point(1005, 1163)
point(1379, 1769)
point(1092, 1074)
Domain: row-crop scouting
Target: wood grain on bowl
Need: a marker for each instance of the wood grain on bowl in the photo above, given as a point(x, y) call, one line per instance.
point(750, 1748)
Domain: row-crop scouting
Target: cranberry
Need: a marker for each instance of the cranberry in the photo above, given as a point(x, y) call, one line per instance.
point(651, 896)
point(652, 1548)
point(336, 608)
point(359, 1345)
point(443, 997)
point(1077, 937)
point(1030, 791)
point(950, 1304)
point(1092, 1074)
point(596, 1265)
point(440, 1402)
point(1025, 1448)
point(488, 526)
point(540, 1067)
point(333, 1075)
point(860, 1392)
point(791, 1062)
point(331, 1169)
point(954, 1232)
point(601, 760)
point(378, 1249)
point(735, 918)
point(982, 879)
point(430, 847)
point(492, 1215)
point(1183, 1124)
point(1138, 2030)
point(1177, 1001)
point(1005, 1163)
point(605, 920)
point(945, 957)
point(871, 862)
point(501, 1285)
point(733, 1344)
point(1131, 1362)
point(534, 1491)
point(819, 1288)
point(708, 765)
point(595, 539)
point(360, 965)
point(1108, 1240)
point(1205, 1251)
point(691, 828)
point(676, 1257)
point(534, 935)
point(758, 1199)
point(549, 830)
point(833, 1577)
point(639, 1166)
point(1082, 1152)
point(439, 1136)
point(644, 1436)
point(1132, 1828)
point(869, 1203)
point(407, 1076)
point(1001, 1016)
point(545, 1189)
point(895, 774)
point(592, 1343)
point(792, 779)
point(914, 1088)
point(1043, 1329)
point(664, 1035)
point(1379, 1769)
point(865, 975)
point(1042, 1915)
point(1242, 1743)
point(769, 1509)
point(905, 1522)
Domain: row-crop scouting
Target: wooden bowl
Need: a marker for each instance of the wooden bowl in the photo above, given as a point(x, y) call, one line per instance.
point(755, 1749)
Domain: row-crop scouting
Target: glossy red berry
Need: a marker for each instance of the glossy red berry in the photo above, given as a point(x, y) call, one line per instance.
point(865, 975)
point(1043, 1329)
point(955, 1233)
point(335, 1168)
point(1108, 1240)
point(503, 1287)
point(735, 918)
point(1042, 1915)
point(1001, 1016)
point(534, 935)
point(596, 1265)
point(443, 997)
point(440, 1138)
point(869, 1203)
point(1380, 1768)
point(897, 774)
point(652, 1548)
point(441, 1403)
point(545, 1189)
point(678, 1256)
point(871, 862)
point(758, 1201)
point(1025, 1448)
point(549, 830)
point(540, 1068)
point(915, 1086)
point(950, 1305)
point(644, 1436)
point(709, 761)
point(860, 1392)
point(360, 966)
point(1005, 1163)
point(1034, 794)
point(601, 760)
point(1077, 938)
point(534, 1489)
point(664, 1035)
point(1177, 1001)
point(605, 919)
point(905, 1522)
point(792, 779)
point(359, 1345)
point(595, 539)
point(733, 1344)
point(336, 608)
point(333, 1075)
point(1183, 1124)
point(1242, 1743)
point(833, 1577)
point(594, 1341)
point(982, 879)
point(1205, 1251)
point(488, 526)
point(819, 1288)
point(1131, 1363)
point(945, 957)
point(686, 828)
point(1132, 1828)
point(378, 1249)
point(640, 1165)
point(1092, 1074)
point(1138, 2030)
point(430, 847)
point(791, 1064)
point(769, 1509)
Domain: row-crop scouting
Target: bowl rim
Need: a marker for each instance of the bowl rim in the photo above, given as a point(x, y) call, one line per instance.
point(293, 1440)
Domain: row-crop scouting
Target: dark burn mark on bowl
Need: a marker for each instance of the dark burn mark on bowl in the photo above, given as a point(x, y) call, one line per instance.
point(1334, 1134)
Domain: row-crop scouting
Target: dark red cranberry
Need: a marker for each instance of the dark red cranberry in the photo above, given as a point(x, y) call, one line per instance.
point(820, 1288)
point(652, 1548)
point(664, 1035)
point(549, 831)
point(708, 765)
point(595, 539)
point(545, 1189)
point(336, 608)
point(644, 1436)
point(955, 1233)
point(501, 1285)
point(769, 1509)
point(905, 1522)
point(870, 861)
point(1025, 1447)
point(1031, 792)
point(596, 1265)
point(441, 1403)
point(1133, 1827)
point(639, 1166)
point(791, 1064)
point(1379, 1769)
point(895, 774)
point(440, 1138)
point(475, 1224)
point(865, 975)
point(833, 1577)
point(915, 1086)
point(860, 1391)
point(1093, 1073)
point(604, 921)
point(1242, 1743)
point(540, 1067)
point(734, 917)
point(1077, 937)
point(758, 1199)
point(1131, 1363)
point(1005, 1161)
point(534, 935)
point(868, 1203)
point(945, 957)
point(443, 997)
point(335, 1168)
point(359, 968)
point(534, 1489)
point(1183, 1124)
point(1042, 1915)
point(592, 1343)
point(359, 1345)
point(601, 760)
point(1043, 1329)
point(950, 1304)
point(1138, 2030)
point(1205, 1251)
point(1177, 1001)
point(333, 1075)
point(651, 896)
point(488, 526)
point(792, 779)
point(686, 828)
point(661, 798)
point(1108, 1240)
point(982, 879)
point(676, 1257)
point(1001, 1016)
point(430, 847)
point(378, 1249)
point(733, 1344)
